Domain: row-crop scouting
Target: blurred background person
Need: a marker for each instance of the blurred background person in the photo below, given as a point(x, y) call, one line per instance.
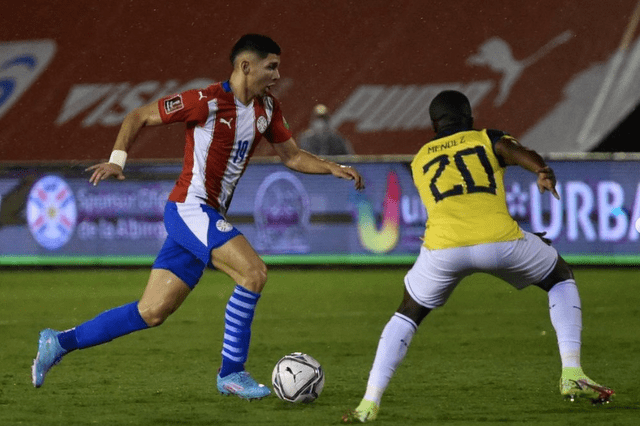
point(320, 139)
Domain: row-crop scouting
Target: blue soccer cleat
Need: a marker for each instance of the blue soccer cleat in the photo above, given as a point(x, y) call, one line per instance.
point(49, 354)
point(242, 385)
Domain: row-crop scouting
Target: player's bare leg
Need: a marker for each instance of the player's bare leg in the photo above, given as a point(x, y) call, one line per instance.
point(163, 294)
point(241, 262)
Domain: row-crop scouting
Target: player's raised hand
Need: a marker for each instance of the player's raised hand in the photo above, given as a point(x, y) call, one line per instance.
point(547, 181)
point(103, 171)
point(349, 173)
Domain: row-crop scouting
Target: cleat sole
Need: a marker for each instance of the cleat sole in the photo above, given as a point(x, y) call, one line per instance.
point(586, 389)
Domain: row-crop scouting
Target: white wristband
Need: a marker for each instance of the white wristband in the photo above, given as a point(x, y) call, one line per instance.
point(118, 157)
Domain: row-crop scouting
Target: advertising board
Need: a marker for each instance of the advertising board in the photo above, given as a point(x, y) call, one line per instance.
point(52, 215)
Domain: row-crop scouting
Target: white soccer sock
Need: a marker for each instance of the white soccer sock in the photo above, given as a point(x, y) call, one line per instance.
point(566, 316)
point(392, 348)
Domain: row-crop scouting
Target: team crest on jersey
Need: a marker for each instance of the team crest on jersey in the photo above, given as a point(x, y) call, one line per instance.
point(262, 124)
point(173, 104)
point(223, 225)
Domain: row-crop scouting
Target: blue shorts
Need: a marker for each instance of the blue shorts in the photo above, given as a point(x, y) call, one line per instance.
point(193, 231)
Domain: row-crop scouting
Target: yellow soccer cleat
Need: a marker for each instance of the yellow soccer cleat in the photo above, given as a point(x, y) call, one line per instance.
point(367, 411)
point(575, 384)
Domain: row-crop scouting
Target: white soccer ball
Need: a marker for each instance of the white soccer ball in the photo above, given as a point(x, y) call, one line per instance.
point(298, 377)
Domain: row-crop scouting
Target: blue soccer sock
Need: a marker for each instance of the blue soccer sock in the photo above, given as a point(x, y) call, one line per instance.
point(103, 328)
point(237, 330)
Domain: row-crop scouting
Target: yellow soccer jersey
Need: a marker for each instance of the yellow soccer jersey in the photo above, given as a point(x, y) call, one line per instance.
point(460, 180)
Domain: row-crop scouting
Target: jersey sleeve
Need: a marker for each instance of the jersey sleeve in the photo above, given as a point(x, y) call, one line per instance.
point(187, 106)
point(278, 131)
point(494, 137)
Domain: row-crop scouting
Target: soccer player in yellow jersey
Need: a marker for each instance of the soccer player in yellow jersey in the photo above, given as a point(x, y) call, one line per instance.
point(459, 175)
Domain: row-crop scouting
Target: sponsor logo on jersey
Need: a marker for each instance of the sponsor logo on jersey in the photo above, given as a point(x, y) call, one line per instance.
point(227, 122)
point(173, 104)
point(261, 124)
point(21, 63)
point(51, 212)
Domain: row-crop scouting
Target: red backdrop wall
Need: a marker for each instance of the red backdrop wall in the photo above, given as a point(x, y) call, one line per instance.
point(108, 57)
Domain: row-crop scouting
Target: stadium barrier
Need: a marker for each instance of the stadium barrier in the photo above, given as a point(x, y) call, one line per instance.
point(51, 215)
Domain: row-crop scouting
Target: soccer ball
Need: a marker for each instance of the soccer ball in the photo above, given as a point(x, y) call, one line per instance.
point(298, 377)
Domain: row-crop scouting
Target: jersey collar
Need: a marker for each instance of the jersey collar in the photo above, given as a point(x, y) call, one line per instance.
point(450, 131)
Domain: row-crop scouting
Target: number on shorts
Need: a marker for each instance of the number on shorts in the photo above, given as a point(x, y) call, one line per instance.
point(443, 161)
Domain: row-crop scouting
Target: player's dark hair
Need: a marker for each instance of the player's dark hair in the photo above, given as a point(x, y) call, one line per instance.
point(261, 45)
point(449, 109)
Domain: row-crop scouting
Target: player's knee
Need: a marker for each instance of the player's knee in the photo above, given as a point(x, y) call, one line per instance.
point(154, 315)
point(154, 321)
point(561, 272)
point(412, 309)
point(255, 277)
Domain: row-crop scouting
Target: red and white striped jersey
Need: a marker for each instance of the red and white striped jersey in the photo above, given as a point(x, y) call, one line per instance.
point(220, 138)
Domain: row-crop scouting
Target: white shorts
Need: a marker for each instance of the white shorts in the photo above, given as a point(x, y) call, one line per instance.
point(436, 273)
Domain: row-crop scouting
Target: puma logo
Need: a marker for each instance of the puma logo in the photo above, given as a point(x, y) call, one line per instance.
point(290, 371)
point(228, 123)
point(497, 54)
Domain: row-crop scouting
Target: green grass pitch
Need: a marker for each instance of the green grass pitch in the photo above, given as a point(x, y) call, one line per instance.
point(488, 357)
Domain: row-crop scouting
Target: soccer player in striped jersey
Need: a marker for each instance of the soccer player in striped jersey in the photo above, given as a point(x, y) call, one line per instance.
point(224, 123)
point(459, 176)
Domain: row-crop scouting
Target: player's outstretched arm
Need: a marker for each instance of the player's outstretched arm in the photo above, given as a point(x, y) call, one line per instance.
point(305, 162)
point(515, 154)
point(148, 115)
